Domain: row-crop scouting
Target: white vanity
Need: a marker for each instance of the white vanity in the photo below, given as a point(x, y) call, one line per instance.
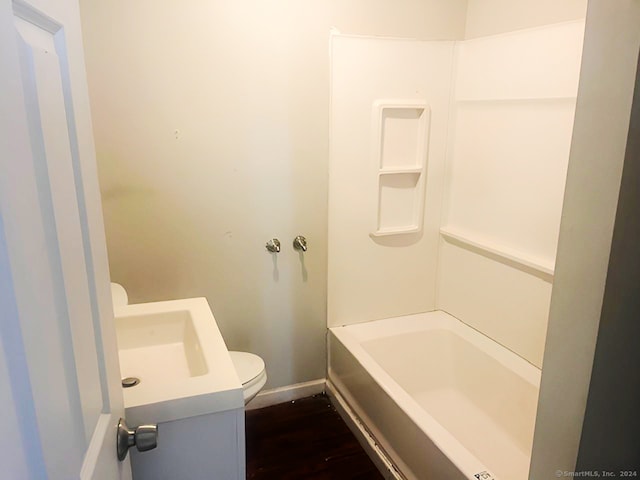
point(186, 383)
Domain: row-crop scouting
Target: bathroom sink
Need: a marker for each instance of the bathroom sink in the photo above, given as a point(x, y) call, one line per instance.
point(176, 351)
point(160, 347)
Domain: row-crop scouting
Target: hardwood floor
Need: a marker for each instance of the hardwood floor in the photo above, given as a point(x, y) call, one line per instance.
point(304, 440)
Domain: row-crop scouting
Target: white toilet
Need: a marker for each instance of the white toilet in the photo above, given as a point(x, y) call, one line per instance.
point(250, 368)
point(251, 371)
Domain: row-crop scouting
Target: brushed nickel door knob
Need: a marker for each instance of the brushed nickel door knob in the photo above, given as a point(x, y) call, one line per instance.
point(144, 437)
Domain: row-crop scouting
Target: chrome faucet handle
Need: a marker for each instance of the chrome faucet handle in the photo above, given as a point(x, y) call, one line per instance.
point(273, 245)
point(300, 243)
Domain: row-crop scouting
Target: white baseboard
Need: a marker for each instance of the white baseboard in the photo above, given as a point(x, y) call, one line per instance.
point(286, 394)
point(366, 440)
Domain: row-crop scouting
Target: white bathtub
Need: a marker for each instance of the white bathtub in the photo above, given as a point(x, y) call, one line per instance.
point(442, 400)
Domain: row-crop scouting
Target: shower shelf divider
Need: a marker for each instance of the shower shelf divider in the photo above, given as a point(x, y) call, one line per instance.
point(394, 171)
point(400, 149)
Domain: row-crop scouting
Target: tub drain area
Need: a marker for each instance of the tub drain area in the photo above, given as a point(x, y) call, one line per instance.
point(130, 382)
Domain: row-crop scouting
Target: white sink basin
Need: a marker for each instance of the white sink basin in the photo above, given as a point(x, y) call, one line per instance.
point(176, 350)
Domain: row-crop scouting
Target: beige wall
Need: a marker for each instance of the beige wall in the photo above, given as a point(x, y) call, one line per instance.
point(488, 17)
point(211, 127)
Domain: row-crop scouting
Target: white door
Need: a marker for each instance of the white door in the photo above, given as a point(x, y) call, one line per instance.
point(59, 376)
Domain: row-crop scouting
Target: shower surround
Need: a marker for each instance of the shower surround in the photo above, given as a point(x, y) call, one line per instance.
point(486, 170)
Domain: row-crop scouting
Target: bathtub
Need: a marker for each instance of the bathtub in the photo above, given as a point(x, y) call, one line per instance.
point(441, 400)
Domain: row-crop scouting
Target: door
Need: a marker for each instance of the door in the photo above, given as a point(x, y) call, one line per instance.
point(59, 376)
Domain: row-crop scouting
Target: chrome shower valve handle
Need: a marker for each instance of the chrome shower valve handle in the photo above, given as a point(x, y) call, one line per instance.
point(300, 243)
point(273, 245)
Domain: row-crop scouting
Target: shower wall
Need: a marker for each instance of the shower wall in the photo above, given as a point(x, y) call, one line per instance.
point(489, 17)
point(511, 124)
point(502, 110)
point(372, 277)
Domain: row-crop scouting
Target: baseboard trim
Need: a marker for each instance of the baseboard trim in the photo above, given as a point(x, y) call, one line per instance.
point(386, 467)
point(286, 394)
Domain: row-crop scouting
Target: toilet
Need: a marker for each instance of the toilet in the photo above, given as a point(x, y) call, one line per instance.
point(249, 367)
point(251, 371)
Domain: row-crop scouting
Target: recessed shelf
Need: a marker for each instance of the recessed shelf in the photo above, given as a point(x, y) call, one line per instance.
point(400, 137)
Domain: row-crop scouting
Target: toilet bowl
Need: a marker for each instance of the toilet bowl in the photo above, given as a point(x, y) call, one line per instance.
point(251, 371)
point(249, 367)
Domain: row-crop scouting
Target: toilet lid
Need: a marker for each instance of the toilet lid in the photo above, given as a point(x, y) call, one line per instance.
point(248, 365)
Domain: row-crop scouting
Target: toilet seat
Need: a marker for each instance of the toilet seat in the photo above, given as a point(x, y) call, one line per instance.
point(248, 366)
point(251, 372)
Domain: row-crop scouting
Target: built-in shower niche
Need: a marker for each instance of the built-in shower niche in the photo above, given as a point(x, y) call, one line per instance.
point(400, 155)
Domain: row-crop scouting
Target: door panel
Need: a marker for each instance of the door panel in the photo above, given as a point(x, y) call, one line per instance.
point(54, 166)
point(58, 339)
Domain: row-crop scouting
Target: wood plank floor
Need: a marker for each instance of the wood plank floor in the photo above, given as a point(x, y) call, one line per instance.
point(304, 440)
